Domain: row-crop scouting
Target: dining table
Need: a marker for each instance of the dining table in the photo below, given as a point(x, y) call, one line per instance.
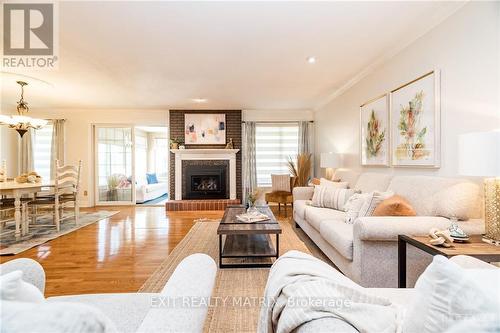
point(16, 190)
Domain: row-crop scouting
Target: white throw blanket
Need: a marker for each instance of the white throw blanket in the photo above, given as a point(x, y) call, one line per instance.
point(301, 288)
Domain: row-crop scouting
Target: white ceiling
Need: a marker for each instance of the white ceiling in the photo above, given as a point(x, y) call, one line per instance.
point(238, 55)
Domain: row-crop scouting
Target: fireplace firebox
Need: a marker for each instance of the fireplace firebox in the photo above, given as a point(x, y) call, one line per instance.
point(205, 181)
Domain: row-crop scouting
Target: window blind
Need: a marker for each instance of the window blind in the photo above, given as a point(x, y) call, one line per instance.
point(274, 144)
point(42, 150)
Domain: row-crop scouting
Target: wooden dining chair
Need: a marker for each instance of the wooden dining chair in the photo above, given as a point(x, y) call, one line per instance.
point(66, 190)
point(7, 206)
point(3, 171)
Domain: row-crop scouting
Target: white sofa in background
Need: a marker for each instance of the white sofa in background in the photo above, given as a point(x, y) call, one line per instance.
point(366, 251)
point(193, 278)
point(145, 192)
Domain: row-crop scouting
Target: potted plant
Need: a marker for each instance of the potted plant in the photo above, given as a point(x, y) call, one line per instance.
point(252, 197)
point(174, 143)
point(113, 181)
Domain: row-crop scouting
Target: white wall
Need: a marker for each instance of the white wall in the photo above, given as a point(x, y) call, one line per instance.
point(277, 115)
point(465, 48)
point(79, 136)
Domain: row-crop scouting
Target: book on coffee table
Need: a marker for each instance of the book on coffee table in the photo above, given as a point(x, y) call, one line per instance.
point(252, 217)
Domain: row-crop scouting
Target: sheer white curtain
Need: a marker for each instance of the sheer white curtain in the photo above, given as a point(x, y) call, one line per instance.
point(26, 161)
point(57, 145)
point(249, 161)
point(306, 139)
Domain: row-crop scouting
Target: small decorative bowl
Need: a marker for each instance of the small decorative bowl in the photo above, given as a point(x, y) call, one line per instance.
point(21, 179)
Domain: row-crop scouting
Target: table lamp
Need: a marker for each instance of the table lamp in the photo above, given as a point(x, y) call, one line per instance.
point(329, 161)
point(479, 155)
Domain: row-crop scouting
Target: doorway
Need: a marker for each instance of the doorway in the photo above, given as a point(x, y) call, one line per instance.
point(151, 165)
point(131, 165)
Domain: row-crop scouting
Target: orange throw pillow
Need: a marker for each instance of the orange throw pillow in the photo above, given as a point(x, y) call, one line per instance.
point(317, 181)
point(394, 206)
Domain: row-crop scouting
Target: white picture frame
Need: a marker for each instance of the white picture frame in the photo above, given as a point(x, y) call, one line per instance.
point(415, 122)
point(374, 132)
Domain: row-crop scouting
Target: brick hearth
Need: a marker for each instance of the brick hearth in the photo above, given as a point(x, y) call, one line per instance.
point(180, 205)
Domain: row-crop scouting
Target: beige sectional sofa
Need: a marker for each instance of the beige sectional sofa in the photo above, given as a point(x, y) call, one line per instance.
point(366, 251)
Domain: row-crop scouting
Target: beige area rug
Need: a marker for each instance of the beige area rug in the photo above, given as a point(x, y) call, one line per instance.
point(42, 234)
point(243, 286)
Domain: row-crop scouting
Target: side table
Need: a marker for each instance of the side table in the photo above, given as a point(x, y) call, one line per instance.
point(475, 247)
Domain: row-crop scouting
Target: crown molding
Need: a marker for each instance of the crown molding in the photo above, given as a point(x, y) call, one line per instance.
point(403, 44)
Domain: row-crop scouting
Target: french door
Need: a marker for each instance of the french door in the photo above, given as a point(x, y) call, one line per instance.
point(114, 165)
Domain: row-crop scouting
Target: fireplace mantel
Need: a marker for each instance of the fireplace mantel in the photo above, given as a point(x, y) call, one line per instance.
point(205, 154)
point(207, 151)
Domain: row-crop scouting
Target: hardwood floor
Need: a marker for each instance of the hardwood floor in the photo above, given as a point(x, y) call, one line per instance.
point(117, 254)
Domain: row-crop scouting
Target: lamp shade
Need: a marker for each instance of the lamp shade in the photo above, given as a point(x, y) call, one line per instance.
point(330, 160)
point(479, 154)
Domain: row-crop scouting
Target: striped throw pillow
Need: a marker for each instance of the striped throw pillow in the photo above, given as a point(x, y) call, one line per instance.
point(330, 197)
point(280, 183)
point(372, 201)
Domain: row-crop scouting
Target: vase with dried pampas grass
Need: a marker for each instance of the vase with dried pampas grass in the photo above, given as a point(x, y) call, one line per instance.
point(300, 168)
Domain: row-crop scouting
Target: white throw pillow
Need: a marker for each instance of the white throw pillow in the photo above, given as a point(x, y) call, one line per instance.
point(330, 197)
point(353, 206)
point(53, 317)
point(326, 182)
point(458, 200)
point(487, 323)
point(13, 288)
point(446, 294)
point(280, 183)
point(371, 202)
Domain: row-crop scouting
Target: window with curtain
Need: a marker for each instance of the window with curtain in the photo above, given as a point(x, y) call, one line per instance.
point(274, 143)
point(42, 141)
point(161, 155)
point(141, 156)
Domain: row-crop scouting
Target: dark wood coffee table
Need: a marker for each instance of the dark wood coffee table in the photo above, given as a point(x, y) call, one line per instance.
point(247, 240)
point(475, 247)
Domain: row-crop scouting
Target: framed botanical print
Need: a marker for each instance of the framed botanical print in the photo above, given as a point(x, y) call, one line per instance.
point(416, 123)
point(374, 141)
point(205, 129)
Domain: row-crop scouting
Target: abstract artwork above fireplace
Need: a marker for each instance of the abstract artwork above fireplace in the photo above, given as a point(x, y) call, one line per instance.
point(205, 129)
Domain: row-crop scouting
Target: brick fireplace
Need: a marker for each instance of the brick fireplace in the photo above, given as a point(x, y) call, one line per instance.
point(205, 177)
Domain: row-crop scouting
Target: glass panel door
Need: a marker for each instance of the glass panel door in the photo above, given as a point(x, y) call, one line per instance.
point(114, 168)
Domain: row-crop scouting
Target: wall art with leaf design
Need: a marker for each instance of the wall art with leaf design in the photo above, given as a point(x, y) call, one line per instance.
point(374, 120)
point(415, 123)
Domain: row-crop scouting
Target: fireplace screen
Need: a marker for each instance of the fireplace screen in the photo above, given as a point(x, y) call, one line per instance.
point(205, 183)
point(202, 180)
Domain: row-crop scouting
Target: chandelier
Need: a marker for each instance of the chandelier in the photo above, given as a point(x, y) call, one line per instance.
point(22, 123)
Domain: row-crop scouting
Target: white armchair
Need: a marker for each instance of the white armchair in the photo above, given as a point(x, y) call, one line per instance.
point(165, 311)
